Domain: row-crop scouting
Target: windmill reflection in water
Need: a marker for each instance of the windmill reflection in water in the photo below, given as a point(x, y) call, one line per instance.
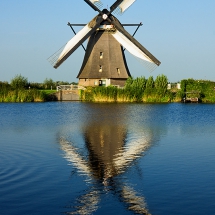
point(110, 154)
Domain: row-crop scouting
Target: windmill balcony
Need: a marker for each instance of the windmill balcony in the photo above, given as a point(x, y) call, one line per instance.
point(69, 87)
point(106, 27)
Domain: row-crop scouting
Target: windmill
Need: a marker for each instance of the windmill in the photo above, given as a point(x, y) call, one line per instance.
point(104, 62)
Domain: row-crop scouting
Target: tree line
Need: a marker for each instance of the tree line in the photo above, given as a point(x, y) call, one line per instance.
point(21, 90)
point(21, 82)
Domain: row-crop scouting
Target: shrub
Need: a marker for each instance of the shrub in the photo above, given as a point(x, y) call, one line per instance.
point(49, 84)
point(134, 88)
point(19, 82)
point(161, 83)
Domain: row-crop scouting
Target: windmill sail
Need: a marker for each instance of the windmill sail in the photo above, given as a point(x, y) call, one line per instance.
point(98, 3)
point(94, 1)
point(136, 49)
point(131, 47)
point(56, 60)
point(124, 6)
point(92, 5)
point(74, 41)
point(62, 54)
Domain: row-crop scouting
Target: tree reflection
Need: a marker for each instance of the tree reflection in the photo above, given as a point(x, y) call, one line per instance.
point(110, 154)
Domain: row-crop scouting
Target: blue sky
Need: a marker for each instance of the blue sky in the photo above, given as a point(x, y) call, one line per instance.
point(180, 33)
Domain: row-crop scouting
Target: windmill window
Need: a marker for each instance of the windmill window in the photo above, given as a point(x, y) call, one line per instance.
point(118, 70)
point(101, 55)
point(100, 68)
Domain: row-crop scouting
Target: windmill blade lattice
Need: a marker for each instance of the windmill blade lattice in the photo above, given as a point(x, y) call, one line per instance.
point(93, 3)
point(150, 67)
point(54, 57)
point(58, 56)
point(97, 3)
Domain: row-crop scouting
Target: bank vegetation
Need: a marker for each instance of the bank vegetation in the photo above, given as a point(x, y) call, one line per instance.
point(136, 90)
point(151, 91)
point(20, 90)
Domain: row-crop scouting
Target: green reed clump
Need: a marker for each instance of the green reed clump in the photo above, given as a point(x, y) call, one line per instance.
point(149, 93)
point(87, 94)
point(124, 95)
point(105, 94)
point(22, 95)
point(17, 91)
point(156, 90)
point(160, 84)
point(135, 90)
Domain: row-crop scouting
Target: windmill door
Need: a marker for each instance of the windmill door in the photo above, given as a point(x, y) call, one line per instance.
point(102, 83)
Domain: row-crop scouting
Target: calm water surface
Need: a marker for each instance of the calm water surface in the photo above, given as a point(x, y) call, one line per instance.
point(84, 158)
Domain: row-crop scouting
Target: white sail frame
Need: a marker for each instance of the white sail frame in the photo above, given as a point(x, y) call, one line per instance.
point(125, 5)
point(71, 43)
point(131, 47)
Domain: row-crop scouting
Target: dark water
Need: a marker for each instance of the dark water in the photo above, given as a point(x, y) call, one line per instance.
point(83, 158)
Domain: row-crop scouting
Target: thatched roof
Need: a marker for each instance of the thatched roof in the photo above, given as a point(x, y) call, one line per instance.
point(104, 57)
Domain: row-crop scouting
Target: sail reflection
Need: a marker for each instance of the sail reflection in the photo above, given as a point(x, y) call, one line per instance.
point(110, 154)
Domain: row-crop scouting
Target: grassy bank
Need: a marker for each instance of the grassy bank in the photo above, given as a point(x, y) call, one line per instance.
point(23, 95)
point(114, 94)
point(151, 91)
point(20, 90)
point(135, 90)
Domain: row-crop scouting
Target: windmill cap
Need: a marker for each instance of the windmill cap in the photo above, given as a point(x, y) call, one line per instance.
point(105, 11)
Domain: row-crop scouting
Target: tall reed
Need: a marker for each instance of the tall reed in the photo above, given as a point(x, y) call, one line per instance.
point(135, 90)
point(22, 95)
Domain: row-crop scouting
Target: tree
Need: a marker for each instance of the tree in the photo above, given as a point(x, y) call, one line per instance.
point(62, 83)
point(49, 84)
point(19, 82)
